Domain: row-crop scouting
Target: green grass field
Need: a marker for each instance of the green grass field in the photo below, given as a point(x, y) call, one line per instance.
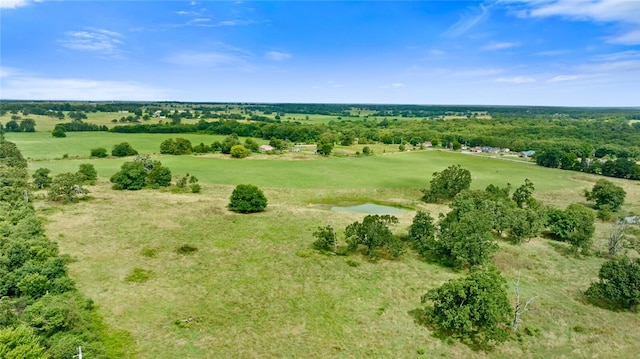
point(255, 288)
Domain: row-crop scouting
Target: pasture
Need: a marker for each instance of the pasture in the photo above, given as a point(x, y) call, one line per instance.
point(254, 287)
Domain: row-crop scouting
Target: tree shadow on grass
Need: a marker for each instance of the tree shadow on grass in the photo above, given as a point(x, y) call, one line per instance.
point(421, 317)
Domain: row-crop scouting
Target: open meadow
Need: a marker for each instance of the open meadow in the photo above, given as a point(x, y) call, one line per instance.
point(252, 287)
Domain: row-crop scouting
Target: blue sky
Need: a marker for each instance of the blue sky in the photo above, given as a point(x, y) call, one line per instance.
point(495, 52)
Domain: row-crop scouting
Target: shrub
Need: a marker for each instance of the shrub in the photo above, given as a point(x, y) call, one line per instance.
point(374, 234)
point(41, 178)
point(605, 193)
point(123, 149)
point(239, 151)
point(446, 184)
point(66, 187)
point(88, 173)
point(131, 176)
point(58, 132)
point(247, 198)
point(325, 239)
point(99, 152)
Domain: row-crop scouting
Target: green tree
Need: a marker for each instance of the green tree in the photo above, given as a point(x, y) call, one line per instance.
point(446, 184)
point(41, 178)
point(228, 143)
point(158, 176)
point(325, 239)
point(66, 187)
point(619, 283)
point(606, 193)
point(247, 198)
point(58, 132)
point(239, 151)
point(574, 224)
point(88, 173)
point(522, 195)
point(527, 223)
point(422, 232)
point(132, 176)
point(123, 149)
point(167, 146)
point(28, 125)
point(348, 137)
point(20, 343)
point(374, 234)
point(182, 146)
point(251, 145)
point(475, 308)
point(99, 152)
point(12, 126)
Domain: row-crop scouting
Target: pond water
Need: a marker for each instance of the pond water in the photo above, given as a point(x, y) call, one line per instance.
point(369, 208)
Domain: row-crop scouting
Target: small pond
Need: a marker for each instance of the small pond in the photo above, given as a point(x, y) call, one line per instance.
point(369, 208)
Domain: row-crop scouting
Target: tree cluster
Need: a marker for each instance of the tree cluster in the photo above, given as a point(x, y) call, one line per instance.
point(42, 315)
point(140, 173)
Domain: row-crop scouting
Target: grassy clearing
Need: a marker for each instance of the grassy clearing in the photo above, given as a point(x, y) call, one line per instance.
point(212, 283)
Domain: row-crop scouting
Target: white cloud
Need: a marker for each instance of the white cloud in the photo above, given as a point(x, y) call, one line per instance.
point(41, 88)
point(97, 40)
point(516, 80)
point(562, 78)
point(393, 85)
point(499, 45)
point(277, 56)
point(468, 21)
point(625, 13)
point(12, 4)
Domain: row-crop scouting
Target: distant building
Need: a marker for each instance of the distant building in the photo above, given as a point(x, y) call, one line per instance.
point(526, 154)
point(266, 148)
point(427, 144)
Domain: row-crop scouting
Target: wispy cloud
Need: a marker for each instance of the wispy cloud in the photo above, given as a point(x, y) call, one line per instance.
point(468, 20)
point(625, 13)
point(96, 40)
point(552, 52)
point(500, 45)
point(392, 86)
point(12, 4)
point(516, 80)
point(277, 56)
point(562, 78)
point(19, 86)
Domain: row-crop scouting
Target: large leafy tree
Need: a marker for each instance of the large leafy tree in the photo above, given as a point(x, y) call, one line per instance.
point(67, 187)
point(574, 225)
point(464, 235)
point(247, 198)
point(422, 232)
point(123, 149)
point(41, 178)
point(132, 176)
point(619, 283)
point(474, 308)
point(374, 234)
point(606, 193)
point(446, 184)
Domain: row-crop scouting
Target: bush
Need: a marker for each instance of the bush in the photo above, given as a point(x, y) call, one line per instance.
point(247, 198)
point(605, 193)
point(179, 146)
point(619, 284)
point(99, 152)
point(88, 173)
point(374, 234)
point(239, 151)
point(66, 187)
point(41, 178)
point(131, 176)
point(58, 132)
point(446, 184)
point(123, 149)
point(325, 239)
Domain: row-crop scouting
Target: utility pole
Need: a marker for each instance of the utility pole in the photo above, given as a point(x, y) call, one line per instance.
point(79, 355)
